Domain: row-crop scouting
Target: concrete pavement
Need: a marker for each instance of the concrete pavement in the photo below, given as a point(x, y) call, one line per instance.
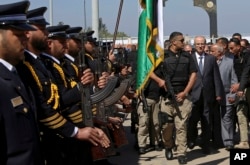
point(129, 156)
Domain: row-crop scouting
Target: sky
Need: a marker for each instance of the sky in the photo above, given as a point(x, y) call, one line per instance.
point(178, 15)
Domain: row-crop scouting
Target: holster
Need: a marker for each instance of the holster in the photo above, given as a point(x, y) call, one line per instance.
point(164, 118)
point(167, 133)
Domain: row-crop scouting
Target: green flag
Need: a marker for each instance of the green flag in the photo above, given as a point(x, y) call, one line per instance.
point(150, 40)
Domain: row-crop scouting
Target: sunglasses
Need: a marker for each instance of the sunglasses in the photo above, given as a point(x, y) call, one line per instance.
point(182, 40)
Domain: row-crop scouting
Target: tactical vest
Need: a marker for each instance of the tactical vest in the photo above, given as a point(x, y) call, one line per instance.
point(177, 68)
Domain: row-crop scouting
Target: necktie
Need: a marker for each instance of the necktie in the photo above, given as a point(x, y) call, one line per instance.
point(200, 64)
point(219, 61)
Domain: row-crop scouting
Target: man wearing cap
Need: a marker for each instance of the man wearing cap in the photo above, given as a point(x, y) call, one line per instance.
point(19, 138)
point(74, 46)
point(70, 95)
point(48, 98)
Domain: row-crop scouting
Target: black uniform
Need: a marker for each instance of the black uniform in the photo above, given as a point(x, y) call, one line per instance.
point(19, 135)
point(54, 126)
point(75, 151)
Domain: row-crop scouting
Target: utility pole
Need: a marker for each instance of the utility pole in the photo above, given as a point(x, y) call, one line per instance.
point(85, 17)
point(211, 8)
point(95, 18)
point(51, 12)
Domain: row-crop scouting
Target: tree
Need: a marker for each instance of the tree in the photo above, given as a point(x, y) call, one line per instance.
point(104, 33)
point(60, 23)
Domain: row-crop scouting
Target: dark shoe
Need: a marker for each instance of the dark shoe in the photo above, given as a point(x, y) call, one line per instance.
point(190, 145)
point(149, 148)
point(168, 153)
point(206, 150)
point(182, 160)
point(142, 150)
point(229, 147)
point(103, 162)
point(158, 148)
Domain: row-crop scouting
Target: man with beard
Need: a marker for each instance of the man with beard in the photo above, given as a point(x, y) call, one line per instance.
point(48, 98)
point(69, 62)
point(71, 53)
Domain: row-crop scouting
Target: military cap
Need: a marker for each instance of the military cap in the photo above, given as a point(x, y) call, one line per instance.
point(90, 33)
point(73, 32)
point(35, 16)
point(89, 36)
point(14, 15)
point(58, 31)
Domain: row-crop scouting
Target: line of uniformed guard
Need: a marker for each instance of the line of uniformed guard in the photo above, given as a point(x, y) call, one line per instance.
point(41, 117)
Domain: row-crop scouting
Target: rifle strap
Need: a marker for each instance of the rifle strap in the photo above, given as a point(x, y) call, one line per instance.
point(176, 65)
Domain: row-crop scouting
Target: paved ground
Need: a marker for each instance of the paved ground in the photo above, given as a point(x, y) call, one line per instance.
point(128, 155)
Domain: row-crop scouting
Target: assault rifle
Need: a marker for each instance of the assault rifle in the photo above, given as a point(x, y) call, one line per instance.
point(117, 93)
point(98, 152)
point(170, 91)
point(118, 134)
point(145, 108)
point(101, 94)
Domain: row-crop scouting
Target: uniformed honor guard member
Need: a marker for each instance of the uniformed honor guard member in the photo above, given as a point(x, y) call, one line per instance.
point(47, 95)
point(70, 96)
point(74, 46)
point(19, 135)
point(181, 71)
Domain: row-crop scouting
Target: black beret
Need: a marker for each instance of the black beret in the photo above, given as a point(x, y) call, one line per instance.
point(57, 31)
point(35, 16)
point(14, 15)
point(73, 32)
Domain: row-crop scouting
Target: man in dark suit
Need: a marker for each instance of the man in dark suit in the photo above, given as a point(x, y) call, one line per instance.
point(19, 138)
point(206, 93)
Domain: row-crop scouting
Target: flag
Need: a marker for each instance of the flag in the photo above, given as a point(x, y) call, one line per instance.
point(150, 40)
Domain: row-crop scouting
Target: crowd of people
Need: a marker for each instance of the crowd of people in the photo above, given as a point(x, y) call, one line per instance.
point(204, 84)
point(65, 95)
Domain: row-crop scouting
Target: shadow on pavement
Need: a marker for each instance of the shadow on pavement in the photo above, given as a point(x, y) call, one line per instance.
point(128, 154)
point(218, 161)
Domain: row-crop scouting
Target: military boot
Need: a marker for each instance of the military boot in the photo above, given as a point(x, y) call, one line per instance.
point(168, 153)
point(242, 145)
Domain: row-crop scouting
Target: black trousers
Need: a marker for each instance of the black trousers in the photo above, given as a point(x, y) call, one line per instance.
point(65, 151)
point(209, 115)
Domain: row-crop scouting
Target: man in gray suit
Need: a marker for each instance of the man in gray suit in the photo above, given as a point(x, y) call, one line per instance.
point(229, 77)
point(206, 93)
